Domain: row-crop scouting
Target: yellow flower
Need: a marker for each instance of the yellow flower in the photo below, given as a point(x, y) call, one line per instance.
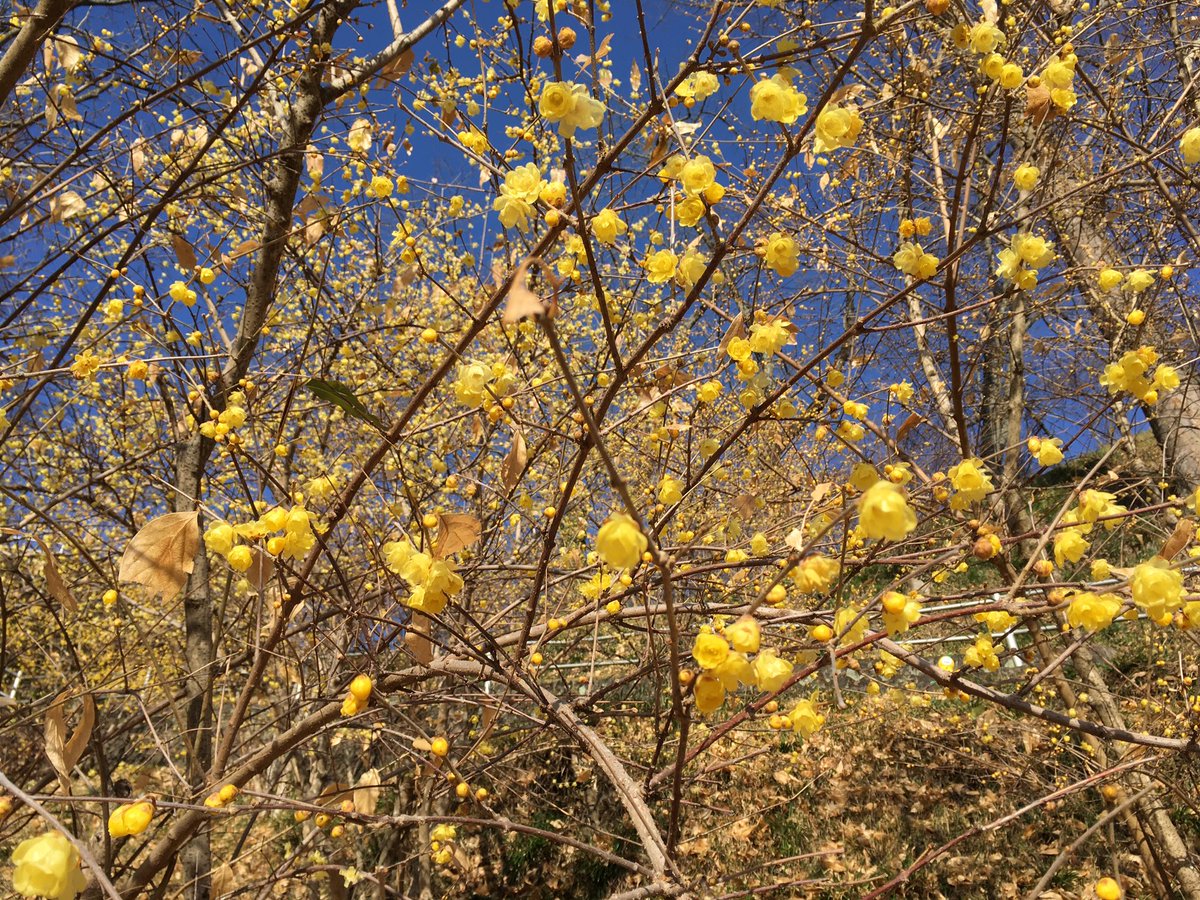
point(805, 718)
point(698, 86)
point(1069, 546)
point(1139, 280)
point(570, 105)
point(836, 127)
point(1047, 450)
point(359, 138)
point(1109, 278)
point(1093, 612)
point(514, 212)
point(770, 672)
point(130, 818)
point(523, 183)
point(86, 365)
point(744, 635)
point(899, 612)
point(770, 337)
point(670, 490)
point(850, 624)
point(220, 537)
point(902, 391)
point(1026, 176)
point(47, 866)
point(997, 621)
point(709, 391)
point(780, 255)
point(971, 482)
point(689, 211)
point(620, 541)
point(912, 260)
point(734, 671)
point(1157, 588)
point(985, 37)
point(697, 175)
point(380, 187)
point(1189, 146)
point(815, 574)
point(1011, 76)
point(709, 693)
point(660, 266)
point(1095, 505)
point(1035, 251)
point(709, 650)
point(775, 100)
point(607, 226)
point(884, 513)
point(982, 655)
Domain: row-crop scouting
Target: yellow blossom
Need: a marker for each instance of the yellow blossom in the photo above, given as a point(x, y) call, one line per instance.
point(884, 513)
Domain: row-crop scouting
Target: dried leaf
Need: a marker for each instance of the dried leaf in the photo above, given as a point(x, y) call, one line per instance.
point(184, 253)
point(522, 301)
point(366, 792)
point(245, 248)
point(991, 13)
point(398, 66)
point(907, 426)
point(1038, 104)
point(736, 329)
point(66, 205)
point(456, 531)
point(222, 880)
point(417, 638)
point(262, 567)
point(162, 555)
point(54, 581)
point(635, 78)
point(1185, 530)
point(514, 462)
point(64, 752)
point(70, 57)
point(137, 156)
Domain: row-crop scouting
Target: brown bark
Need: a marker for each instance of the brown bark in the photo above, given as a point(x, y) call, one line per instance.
point(45, 16)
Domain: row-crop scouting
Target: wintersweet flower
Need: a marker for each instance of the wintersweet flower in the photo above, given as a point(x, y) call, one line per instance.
point(607, 226)
point(1157, 588)
point(1026, 176)
point(779, 254)
point(734, 671)
point(744, 634)
point(709, 693)
point(1139, 280)
point(899, 612)
point(836, 127)
point(806, 720)
point(984, 37)
point(1189, 146)
point(569, 105)
point(769, 337)
point(851, 624)
point(620, 541)
point(982, 655)
point(815, 574)
point(912, 260)
point(698, 86)
point(709, 650)
point(884, 513)
point(770, 672)
point(1109, 278)
point(1093, 612)
point(1048, 451)
point(660, 266)
point(1069, 546)
point(697, 175)
point(130, 818)
point(47, 866)
point(971, 482)
point(670, 490)
point(775, 100)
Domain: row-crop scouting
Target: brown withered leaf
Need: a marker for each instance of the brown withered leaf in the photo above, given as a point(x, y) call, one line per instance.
point(245, 248)
point(366, 792)
point(907, 426)
point(736, 329)
point(514, 462)
point(54, 581)
point(184, 253)
point(162, 555)
point(456, 531)
point(416, 638)
point(522, 302)
point(64, 752)
point(1038, 105)
point(262, 567)
point(1185, 530)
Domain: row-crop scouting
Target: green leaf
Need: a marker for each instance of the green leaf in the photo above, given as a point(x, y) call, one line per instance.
point(342, 397)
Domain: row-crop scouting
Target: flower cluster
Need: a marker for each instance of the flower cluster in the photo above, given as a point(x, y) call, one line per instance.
point(295, 541)
point(1128, 375)
point(1047, 451)
point(837, 127)
point(722, 652)
point(479, 385)
point(899, 612)
point(1093, 612)
point(1059, 77)
point(912, 260)
point(1025, 250)
point(982, 655)
point(432, 581)
point(780, 255)
point(522, 187)
point(221, 424)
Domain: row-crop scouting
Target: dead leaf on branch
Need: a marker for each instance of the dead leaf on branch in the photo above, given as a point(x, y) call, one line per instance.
point(366, 792)
point(162, 555)
point(64, 752)
point(515, 461)
point(1185, 530)
point(523, 302)
point(54, 581)
point(1038, 104)
point(184, 254)
point(456, 531)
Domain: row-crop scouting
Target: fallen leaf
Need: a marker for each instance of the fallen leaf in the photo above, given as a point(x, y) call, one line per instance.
point(54, 581)
point(456, 531)
point(162, 555)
